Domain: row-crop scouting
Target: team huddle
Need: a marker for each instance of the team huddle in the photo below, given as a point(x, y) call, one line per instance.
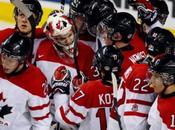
point(92, 69)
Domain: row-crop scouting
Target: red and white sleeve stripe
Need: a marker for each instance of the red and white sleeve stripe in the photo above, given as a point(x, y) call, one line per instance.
point(39, 108)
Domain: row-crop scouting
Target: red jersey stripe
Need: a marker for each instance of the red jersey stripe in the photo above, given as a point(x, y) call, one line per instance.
point(39, 107)
point(43, 117)
point(63, 115)
point(135, 114)
point(139, 102)
point(76, 113)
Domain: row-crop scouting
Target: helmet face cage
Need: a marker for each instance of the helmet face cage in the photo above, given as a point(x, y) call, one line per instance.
point(35, 7)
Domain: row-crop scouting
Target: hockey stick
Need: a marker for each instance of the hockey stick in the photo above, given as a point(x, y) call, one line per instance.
point(62, 6)
point(23, 8)
point(115, 87)
point(75, 51)
point(25, 11)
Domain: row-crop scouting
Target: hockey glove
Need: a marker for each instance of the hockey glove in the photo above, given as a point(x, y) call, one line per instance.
point(60, 81)
point(78, 81)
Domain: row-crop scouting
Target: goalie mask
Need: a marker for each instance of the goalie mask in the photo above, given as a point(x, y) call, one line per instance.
point(108, 59)
point(59, 28)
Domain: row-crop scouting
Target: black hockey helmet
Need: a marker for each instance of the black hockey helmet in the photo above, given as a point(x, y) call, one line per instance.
point(151, 11)
point(78, 7)
point(17, 46)
point(108, 59)
point(35, 7)
point(159, 41)
point(121, 22)
point(98, 11)
point(165, 66)
point(162, 10)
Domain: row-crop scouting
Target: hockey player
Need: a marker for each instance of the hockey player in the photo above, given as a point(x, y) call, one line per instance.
point(93, 12)
point(96, 13)
point(23, 99)
point(162, 112)
point(23, 25)
point(77, 13)
point(119, 30)
point(90, 105)
point(59, 48)
point(138, 96)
